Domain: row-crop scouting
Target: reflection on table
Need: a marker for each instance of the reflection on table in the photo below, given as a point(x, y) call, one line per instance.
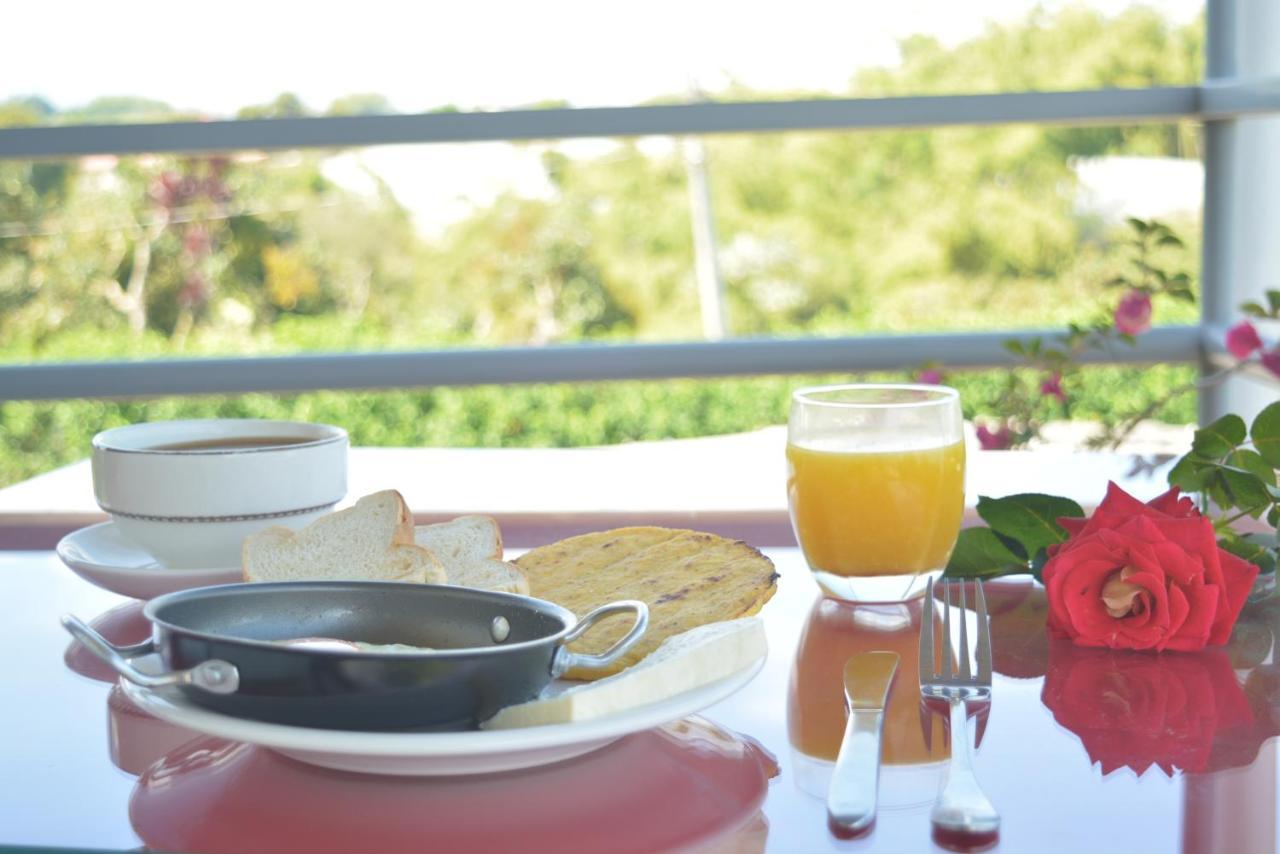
point(1206, 714)
point(689, 785)
point(914, 750)
point(123, 625)
point(63, 790)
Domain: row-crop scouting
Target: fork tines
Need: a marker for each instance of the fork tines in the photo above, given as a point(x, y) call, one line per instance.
point(942, 673)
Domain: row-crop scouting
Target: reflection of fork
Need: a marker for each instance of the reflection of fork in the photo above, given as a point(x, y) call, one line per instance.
point(962, 807)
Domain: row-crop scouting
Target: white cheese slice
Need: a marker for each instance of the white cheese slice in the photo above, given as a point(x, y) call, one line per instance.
point(686, 661)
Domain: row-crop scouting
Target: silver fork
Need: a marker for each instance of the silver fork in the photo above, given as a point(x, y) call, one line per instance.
point(962, 807)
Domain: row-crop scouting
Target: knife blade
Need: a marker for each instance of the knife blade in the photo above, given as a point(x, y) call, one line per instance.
point(851, 798)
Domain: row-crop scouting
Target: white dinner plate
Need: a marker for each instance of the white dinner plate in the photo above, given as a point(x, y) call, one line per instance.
point(435, 754)
point(101, 555)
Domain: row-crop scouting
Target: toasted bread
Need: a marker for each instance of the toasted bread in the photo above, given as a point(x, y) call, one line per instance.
point(687, 578)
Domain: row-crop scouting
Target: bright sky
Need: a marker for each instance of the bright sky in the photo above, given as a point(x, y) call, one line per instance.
point(476, 53)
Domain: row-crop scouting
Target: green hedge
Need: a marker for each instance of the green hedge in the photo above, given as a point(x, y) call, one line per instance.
point(35, 437)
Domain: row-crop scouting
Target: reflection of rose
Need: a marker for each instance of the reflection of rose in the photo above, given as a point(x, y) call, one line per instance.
point(1135, 710)
point(1144, 576)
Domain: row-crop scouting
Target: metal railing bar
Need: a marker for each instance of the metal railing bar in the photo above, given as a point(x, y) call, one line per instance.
point(562, 363)
point(1103, 106)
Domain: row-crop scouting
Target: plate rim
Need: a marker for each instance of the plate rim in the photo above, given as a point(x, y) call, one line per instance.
point(169, 705)
point(152, 569)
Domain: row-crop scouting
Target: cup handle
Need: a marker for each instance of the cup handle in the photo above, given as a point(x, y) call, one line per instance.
point(565, 660)
point(214, 675)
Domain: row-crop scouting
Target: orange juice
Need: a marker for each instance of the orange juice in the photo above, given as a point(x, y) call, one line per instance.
point(869, 512)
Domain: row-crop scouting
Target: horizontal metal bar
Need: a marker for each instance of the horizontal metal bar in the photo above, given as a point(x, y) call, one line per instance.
point(567, 363)
point(1103, 106)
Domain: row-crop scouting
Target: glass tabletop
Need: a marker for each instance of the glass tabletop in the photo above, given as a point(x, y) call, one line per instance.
point(1081, 750)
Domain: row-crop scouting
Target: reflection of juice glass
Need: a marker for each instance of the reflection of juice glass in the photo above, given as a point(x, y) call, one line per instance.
point(875, 481)
point(816, 711)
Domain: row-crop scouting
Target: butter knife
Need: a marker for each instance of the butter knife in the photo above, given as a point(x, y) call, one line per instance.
point(851, 799)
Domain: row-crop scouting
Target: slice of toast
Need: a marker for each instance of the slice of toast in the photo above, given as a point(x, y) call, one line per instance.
point(470, 547)
point(463, 538)
point(487, 574)
point(370, 541)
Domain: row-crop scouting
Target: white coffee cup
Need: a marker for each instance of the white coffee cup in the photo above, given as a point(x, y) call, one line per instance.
point(189, 492)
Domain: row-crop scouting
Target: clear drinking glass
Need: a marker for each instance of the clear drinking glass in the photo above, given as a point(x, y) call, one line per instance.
point(875, 482)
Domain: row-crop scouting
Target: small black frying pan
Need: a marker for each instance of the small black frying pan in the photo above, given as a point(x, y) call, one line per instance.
point(233, 649)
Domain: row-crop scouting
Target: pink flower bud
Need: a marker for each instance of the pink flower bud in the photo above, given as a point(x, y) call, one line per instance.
point(1271, 360)
point(930, 376)
point(1133, 314)
point(1051, 386)
point(1243, 340)
point(998, 439)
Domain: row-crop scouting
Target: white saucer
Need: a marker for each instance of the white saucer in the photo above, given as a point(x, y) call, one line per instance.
point(101, 555)
point(435, 754)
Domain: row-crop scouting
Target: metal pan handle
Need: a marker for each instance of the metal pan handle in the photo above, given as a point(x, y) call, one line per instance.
point(214, 675)
point(565, 660)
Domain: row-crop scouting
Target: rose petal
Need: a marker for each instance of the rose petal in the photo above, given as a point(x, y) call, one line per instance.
point(1238, 576)
point(1150, 627)
point(1065, 576)
point(1171, 504)
point(1073, 524)
point(1119, 595)
point(1082, 596)
point(1181, 567)
point(1179, 610)
point(1193, 634)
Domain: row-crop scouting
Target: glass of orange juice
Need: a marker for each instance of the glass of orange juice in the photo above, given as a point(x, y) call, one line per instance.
point(875, 482)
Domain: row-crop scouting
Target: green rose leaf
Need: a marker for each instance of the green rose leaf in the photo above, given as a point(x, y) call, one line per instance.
point(1012, 545)
point(1189, 473)
point(980, 554)
point(1258, 549)
point(1265, 433)
point(1220, 438)
point(1215, 486)
point(1254, 464)
point(1239, 488)
point(1029, 518)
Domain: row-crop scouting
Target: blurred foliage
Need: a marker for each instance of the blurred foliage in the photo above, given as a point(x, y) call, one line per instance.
point(39, 436)
point(820, 233)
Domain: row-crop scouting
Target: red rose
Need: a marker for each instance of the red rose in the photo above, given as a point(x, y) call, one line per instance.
point(1144, 576)
point(1132, 710)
